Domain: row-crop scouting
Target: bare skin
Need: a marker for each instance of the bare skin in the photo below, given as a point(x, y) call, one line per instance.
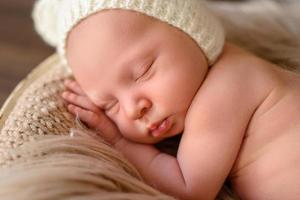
point(239, 118)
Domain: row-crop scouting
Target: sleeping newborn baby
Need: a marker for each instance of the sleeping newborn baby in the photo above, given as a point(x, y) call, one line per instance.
point(140, 80)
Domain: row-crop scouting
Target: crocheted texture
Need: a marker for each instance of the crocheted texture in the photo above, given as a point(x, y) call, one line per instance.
point(54, 19)
point(39, 111)
point(42, 148)
point(39, 151)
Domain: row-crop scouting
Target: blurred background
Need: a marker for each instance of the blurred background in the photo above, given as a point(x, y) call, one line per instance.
point(21, 49)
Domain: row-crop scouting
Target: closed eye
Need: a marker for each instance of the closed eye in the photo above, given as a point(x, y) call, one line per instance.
point(146, 70)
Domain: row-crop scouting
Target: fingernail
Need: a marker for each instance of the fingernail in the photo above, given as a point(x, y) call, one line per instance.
point(67, 81)
point(64, 94)
point(71, 107)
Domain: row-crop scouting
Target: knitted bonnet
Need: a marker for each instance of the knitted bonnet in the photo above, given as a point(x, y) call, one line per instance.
point(54, 19)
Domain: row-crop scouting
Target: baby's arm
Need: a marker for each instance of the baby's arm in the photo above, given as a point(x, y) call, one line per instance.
point(211, 140)
point(79, 104)
point(214, 130)
point(150, 162)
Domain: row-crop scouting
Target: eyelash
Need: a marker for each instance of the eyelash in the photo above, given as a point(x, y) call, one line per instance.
point(145, 71)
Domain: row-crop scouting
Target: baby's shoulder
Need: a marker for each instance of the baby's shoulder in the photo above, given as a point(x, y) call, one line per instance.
point(244, 70)
point(235, 61)
point(240, 76)
point(239, 69)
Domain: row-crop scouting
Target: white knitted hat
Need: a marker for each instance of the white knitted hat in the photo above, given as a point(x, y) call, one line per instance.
point(54, 19)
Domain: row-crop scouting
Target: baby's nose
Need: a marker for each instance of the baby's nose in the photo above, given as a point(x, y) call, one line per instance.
point(138, 109)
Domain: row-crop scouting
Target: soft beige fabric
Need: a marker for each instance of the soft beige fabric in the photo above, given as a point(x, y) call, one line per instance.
point(35, 108)
point(77, 167)
point(44, 154)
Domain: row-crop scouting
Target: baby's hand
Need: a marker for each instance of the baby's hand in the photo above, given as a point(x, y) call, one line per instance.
point(81, 106)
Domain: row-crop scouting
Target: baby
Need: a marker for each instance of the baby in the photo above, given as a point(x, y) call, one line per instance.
point(140, 80)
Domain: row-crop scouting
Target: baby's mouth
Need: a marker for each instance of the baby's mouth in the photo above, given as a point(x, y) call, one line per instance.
point(158, 129)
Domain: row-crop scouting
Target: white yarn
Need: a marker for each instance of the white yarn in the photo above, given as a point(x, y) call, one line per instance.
point(54, 19)
point(45, 13)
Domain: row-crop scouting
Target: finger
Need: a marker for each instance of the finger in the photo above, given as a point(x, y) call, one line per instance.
point(99, 122)
point(81, 101)
point(74, 86)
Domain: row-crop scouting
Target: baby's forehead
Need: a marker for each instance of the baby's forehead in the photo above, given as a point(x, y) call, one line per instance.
point(122, 22)
point(111, 31)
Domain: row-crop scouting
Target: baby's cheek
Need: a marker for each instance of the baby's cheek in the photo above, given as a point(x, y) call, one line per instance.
point(124, 126)
point(130, 131)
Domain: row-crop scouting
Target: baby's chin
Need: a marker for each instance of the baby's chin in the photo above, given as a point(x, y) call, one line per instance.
point(147, 140)
point(154, 140)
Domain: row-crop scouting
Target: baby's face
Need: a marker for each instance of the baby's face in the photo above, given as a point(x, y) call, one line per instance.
point(142, 72)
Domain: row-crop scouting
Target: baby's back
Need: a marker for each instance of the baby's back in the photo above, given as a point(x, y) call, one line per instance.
point(268, 164)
